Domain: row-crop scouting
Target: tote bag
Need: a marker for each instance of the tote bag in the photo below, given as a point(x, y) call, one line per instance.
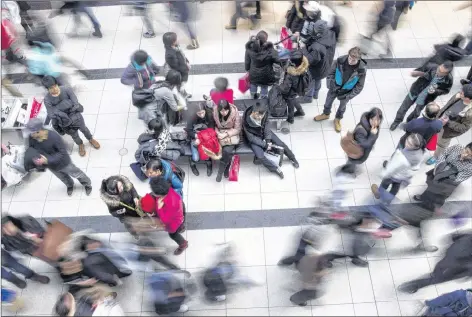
point(234, 168)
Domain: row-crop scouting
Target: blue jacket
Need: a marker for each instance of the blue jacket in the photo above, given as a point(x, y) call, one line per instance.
point(353, 86)
point(170, 176)
point(450, 304)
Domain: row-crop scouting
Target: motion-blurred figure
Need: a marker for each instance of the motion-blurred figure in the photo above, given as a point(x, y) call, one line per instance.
point(401, 7)
point(241, 12)
point(448, 52)
point(76, 8)
point(10, 264)
point(183, 10)
point(167, 293)
point(456, 303)
point(384, 19)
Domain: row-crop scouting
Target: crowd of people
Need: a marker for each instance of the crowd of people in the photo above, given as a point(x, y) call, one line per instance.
point(212, 131)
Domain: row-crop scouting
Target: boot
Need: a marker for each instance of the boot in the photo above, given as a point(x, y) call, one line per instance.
point(94, 143)
point(279, 173)
point(194, 168)
point(321, 117)
point(375, 190)
point(221, 170)
point(39, 278)
point(299, 113)
point(337, 125)
point(193, 45)
point(97, 33)
point(209, 165)
point(18, 282)
point(82, 150)
point(181, 248)
point(256, 161)
point(226, 174)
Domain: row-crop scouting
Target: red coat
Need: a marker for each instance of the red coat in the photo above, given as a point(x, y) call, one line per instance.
point(172, 213)
point(209, 146)
point(216, 96)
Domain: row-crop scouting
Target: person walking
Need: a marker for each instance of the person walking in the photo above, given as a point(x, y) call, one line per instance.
point(345, 81)
point(66, 113)
point(10, 264)
point(54, 155)
point(142, 8)
point(433, 81)
point(259, 61)
point(241, 12)
point(365, 135)
point(184, 12)
point(457, 118)
point(78, 7)
point(384, 19)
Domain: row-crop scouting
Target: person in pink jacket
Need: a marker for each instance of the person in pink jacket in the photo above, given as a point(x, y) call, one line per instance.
point(164, 202)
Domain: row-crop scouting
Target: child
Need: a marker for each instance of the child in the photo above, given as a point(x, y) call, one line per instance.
point(176, 60)
point(141, 71)
point(221, 91)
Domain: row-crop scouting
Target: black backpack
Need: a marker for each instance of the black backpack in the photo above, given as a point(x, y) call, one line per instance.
point(142, 97)
point(303, 83)
point(277, 103)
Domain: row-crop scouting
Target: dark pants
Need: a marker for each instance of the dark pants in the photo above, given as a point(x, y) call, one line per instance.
point(329, 104)
point(299, 254)
point(406, 104)
point(240, 13)
point(81, 7)
point(386, 182)
point(10, 262)
point(293, 104)
point(259, 153)
point(66, 173)
point(349, 167)
point(157, 258)
point(226, 157)
point(176, 236)
point(82, 128)
point(314, 88)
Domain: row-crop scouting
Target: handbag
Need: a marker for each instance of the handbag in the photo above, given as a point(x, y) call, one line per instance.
point(285, 39)
point(243, 83)
point(432, 143)
point(137, 170)
point(351, 147)
point(274, 156)
point(234, 168)
point(142, 97)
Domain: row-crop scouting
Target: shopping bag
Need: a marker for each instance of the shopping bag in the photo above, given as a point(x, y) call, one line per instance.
point(35, 108)
point(275, 157)
point(432, 143)
point(285, 39)
point(234, 168)
point(243, 83)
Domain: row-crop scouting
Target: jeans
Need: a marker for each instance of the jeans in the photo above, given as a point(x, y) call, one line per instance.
point(8, 261)
point(386, 182)
point(329, 104)
point(406, 104)
point(82, 128)
point(195, 154)
point(259, 153)
point(88, 11)
point(314, 88)
point(146, 17)
point(240, 13)
point(65, 174)
point(264, 90)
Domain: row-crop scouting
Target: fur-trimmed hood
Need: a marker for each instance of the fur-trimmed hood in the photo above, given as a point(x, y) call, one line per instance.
point(301, 69)
point(114, 200)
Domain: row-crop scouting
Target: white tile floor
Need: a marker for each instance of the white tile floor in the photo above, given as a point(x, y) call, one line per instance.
point(108, 112)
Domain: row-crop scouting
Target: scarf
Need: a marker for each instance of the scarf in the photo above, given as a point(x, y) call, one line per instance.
point(146, 67)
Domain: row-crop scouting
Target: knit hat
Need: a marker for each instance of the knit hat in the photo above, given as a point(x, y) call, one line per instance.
point(148, 204)
point(33, 125)
point(48, 81)
point(296, 57)
point(319, 27)
point(467, 90)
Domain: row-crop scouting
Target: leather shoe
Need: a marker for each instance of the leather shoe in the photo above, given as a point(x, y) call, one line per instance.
point(394, 125)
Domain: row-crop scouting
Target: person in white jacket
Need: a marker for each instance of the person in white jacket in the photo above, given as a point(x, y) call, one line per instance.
point(400, 168)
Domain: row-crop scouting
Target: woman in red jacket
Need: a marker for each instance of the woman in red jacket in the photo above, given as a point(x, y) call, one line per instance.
point(165, 203)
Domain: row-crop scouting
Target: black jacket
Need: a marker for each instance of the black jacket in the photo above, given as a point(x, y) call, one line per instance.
point(259, 64)
point(19, 242)
point(177, 61)
point(196, 124)
point(458, 125)
point(364, 138)
point(423, 81)
point(292, 77)
point(320, 54)
point(127, 197)
point(54, 149)
point(258, 135)
point(353, 86)
point(295, 17)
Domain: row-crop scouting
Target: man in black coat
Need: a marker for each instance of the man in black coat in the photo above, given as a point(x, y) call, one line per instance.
point(433, 81)
point(261, 138)
point(54, 155)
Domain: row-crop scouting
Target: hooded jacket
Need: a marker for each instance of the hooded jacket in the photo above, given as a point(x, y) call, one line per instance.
point(288, 88)
point(320, 53)
point(364, 138)
point(295, 17)
point(259, 64)
point(127, 197)
point(423, 82)
point(257, 135)
point(458, 125)
point(353, 86)
point(141, 77)
point(64, 110)
point(177, 61)
point(402, 168)
point(231, 126)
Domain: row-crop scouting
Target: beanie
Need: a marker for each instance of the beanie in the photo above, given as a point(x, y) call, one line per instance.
point(467, 90)
point(148, 204)
point(296, 57)
point(48, 81)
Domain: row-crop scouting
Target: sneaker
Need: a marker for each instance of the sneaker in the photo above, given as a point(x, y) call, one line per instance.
point(394, 125)
point(183, 309)
point(295, 163)
point(82, 151)
point(337, 125)
point(97, 33)
point(149, 35)
point(417, 198)
point(230, 27)
point(299, 114)
point(256, 161)
point(193, 45)
point(360, 262)
point(432, 160)
point(194, 169)
point(220, 298)
point(18, 282)
point(256, 96)
point(88, 190)
point(384, 164)
point(181, 248)
point(321, 117)
point(408, 288)
point(94, 143)
point(290, 120)
point(70, 190)
point(279, 173)
point(40, 278)
point(375, 190)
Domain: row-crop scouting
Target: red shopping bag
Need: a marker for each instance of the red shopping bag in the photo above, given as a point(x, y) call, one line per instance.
point(35, 108)
point(234, 169)
point(431, 145)
point(285, 39)
point(243, 83)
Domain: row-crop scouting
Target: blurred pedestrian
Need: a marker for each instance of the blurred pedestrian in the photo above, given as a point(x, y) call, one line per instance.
point(10, 264)
point(241, 12)
point(447, 52)
point(76, 8)
point(401, 7)
point(384, 19)
point(143, 9)
point(184, 12)
point(433, 81)
point(455, 303)
point(168, 294)
point(141, 72)
point(176, 60)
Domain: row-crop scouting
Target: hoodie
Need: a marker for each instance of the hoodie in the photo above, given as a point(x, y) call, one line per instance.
point(403, 164)
point(259, 63)
point(320, 52)
point(126, 197)
point(292, 78)
point(354, 84)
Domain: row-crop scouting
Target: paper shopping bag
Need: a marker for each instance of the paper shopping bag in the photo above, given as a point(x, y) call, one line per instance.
point(285, 39)
point(243, 83)
point(234, 169)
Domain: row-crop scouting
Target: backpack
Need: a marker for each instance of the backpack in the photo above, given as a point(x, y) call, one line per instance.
point(277, 103)
point(303, 83)
point(178, 171)
point(142, 97)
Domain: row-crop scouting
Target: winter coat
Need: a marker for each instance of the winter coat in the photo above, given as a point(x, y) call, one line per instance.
point(292, 77)
point(227, 95)
point(458, 125)
point(163, 147)
point(257, 135)
point(171, 177)
point(399, 168)
point(231, 126)
point(353, 86)
point(43, 61)
point(386, 15)
point(364, 138)
point(54, 149)
point(320, 54)
point(260, 64)
point(454, 303)
point(295, 17)
point(423, 126)
point(161, 285)
point(423, 82)
point(172, 212)
point(64, 111)
point(127, 197)
point(209, 147)
point(196, 124)
point(140, 76)
point(19, 242)
point(177, 61)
